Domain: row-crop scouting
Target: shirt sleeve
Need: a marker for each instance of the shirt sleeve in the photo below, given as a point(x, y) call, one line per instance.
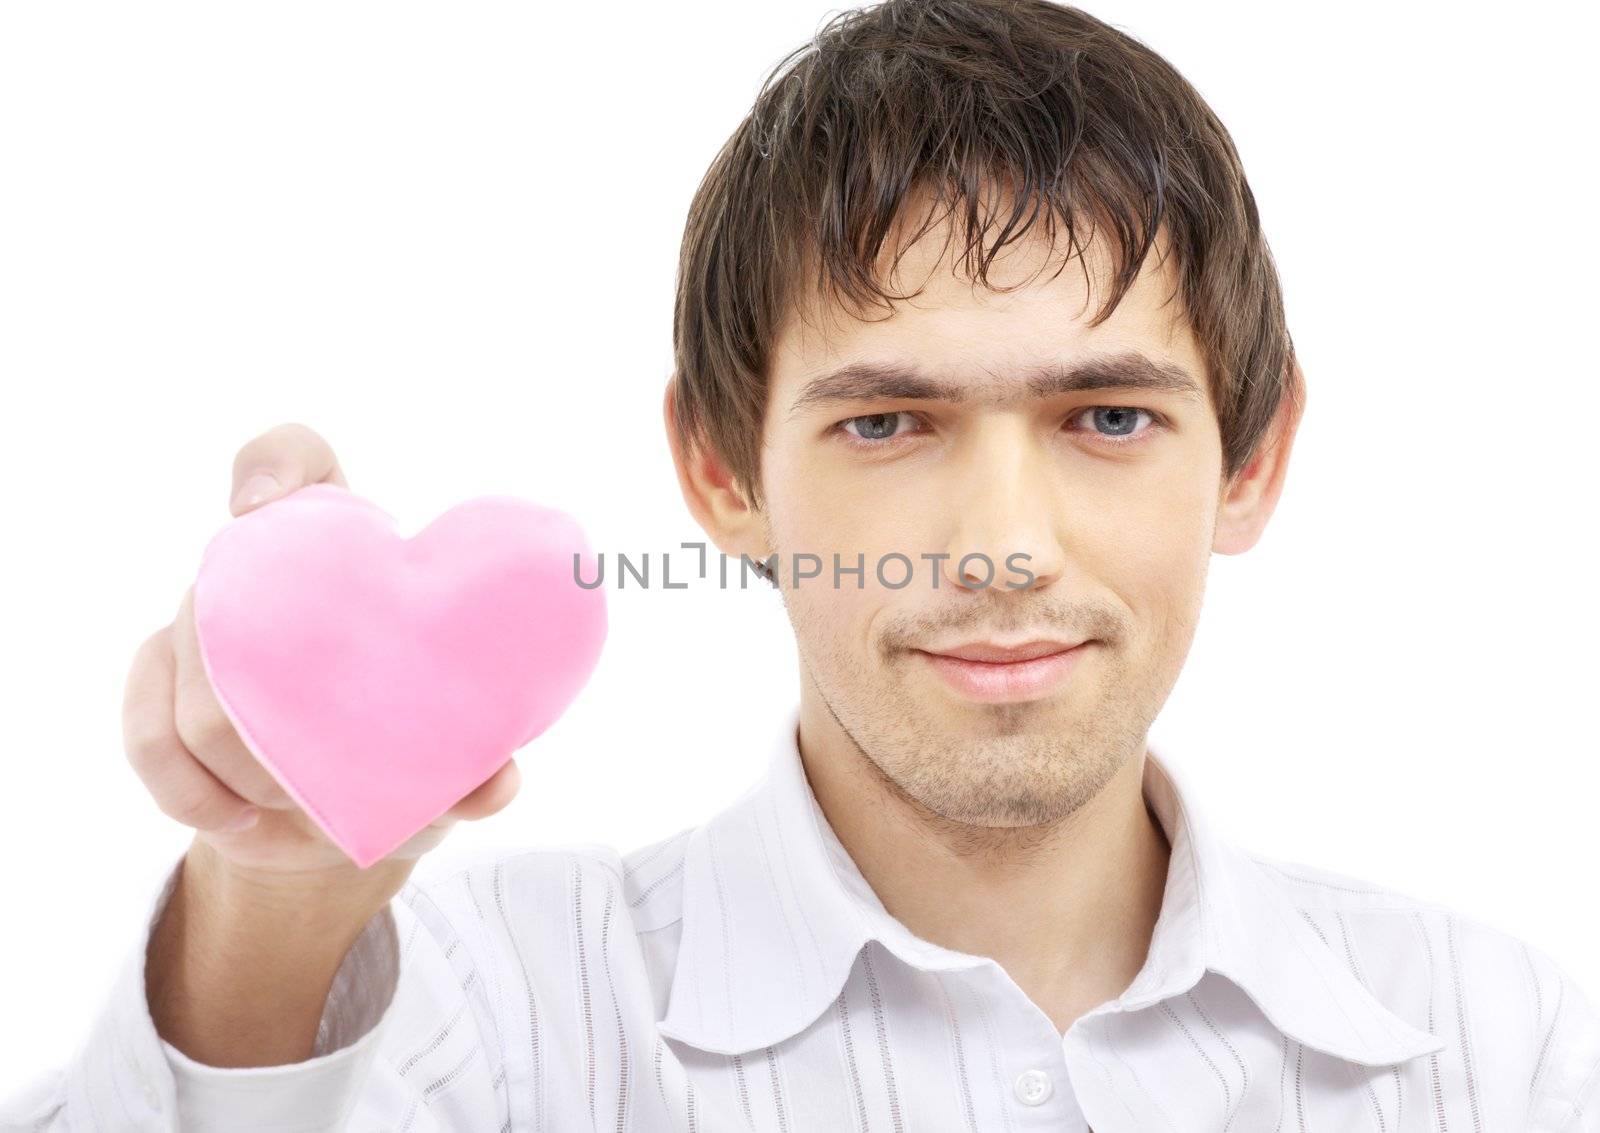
point(1566, 1096)
point(405, 1011)
point(319, 1092)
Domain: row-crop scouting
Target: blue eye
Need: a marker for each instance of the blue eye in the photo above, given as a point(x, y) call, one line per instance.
point(1113, 425)
point(1119, 421)
point(875, 428)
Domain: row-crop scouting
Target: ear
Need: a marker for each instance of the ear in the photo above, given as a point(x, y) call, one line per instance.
point(1248, 500)
point(713, 495)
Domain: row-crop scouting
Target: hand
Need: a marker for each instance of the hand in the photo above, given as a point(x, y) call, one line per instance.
point(186, 751)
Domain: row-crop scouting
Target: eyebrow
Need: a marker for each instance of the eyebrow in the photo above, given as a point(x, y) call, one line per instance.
point(868, 381)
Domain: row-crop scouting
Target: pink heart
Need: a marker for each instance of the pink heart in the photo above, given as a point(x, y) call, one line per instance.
point(381, 679)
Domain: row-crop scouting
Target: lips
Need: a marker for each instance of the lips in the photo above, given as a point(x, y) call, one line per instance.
point(1029, 671)
point(1002, 654)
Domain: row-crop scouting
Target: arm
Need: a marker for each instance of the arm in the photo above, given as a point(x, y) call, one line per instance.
point(1566, 1086)
point(233, 984)
point(406, 1010)
point(240, 965)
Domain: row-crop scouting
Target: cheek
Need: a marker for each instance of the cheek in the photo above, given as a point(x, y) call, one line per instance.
point(859, 521)
point(834, 628)
point(1152, 548)
point(833, 623)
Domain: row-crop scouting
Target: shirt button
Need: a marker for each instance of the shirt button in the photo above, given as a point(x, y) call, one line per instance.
point(151, 1097)
point(1033, 1087)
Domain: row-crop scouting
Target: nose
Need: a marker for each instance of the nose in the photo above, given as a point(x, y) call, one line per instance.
point(1004, 514)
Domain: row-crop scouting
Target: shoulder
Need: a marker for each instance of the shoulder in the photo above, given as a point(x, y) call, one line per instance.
point(1313, 887)
point(518, 929)
point(1378, 927)
point(653, 880)
point(1480, 984)
point(498, 887)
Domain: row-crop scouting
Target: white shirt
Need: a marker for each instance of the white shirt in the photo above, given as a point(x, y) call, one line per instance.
point(743, 976)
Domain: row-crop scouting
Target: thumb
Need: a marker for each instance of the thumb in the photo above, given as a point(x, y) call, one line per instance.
point(279, 461)
point(256, 489)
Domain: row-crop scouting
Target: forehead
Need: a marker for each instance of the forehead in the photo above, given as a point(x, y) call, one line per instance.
point(1033, 314)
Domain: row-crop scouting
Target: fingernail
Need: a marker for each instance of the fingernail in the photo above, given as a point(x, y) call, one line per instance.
point(244, 820)
point(262, 486)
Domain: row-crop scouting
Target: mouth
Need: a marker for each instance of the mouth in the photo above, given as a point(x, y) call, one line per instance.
point(991, 673)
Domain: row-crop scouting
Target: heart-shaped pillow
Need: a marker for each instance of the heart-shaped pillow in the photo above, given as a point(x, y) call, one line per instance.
point(381, 679)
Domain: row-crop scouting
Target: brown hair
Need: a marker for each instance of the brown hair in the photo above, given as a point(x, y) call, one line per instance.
point(1077, 118)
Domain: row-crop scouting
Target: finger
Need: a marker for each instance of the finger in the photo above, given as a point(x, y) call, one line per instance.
point(180, 784)
point(284, 458)
point(422, 841)
point(205, 729)
point(489, 797)
point(484, 800)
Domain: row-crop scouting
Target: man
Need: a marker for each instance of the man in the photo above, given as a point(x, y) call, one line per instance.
point(966, 895)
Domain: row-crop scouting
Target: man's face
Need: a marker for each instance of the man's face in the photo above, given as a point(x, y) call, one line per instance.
point(1108, 497)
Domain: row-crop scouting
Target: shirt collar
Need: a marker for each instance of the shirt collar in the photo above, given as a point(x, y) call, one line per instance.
point(775, 912)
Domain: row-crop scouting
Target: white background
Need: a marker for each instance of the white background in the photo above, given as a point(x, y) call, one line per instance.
point(445, 238)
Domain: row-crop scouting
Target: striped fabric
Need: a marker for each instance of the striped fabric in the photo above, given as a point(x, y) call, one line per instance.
point(742, 976)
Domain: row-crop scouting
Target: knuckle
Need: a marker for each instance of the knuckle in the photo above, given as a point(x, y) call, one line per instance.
point(202, 727)
point(147, 655)
point(145, 745)
point(188, 807)
point(300, 432)
point(152, 644)
point(289, 437)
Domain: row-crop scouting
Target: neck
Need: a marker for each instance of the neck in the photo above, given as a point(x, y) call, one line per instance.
point(1067, 909)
